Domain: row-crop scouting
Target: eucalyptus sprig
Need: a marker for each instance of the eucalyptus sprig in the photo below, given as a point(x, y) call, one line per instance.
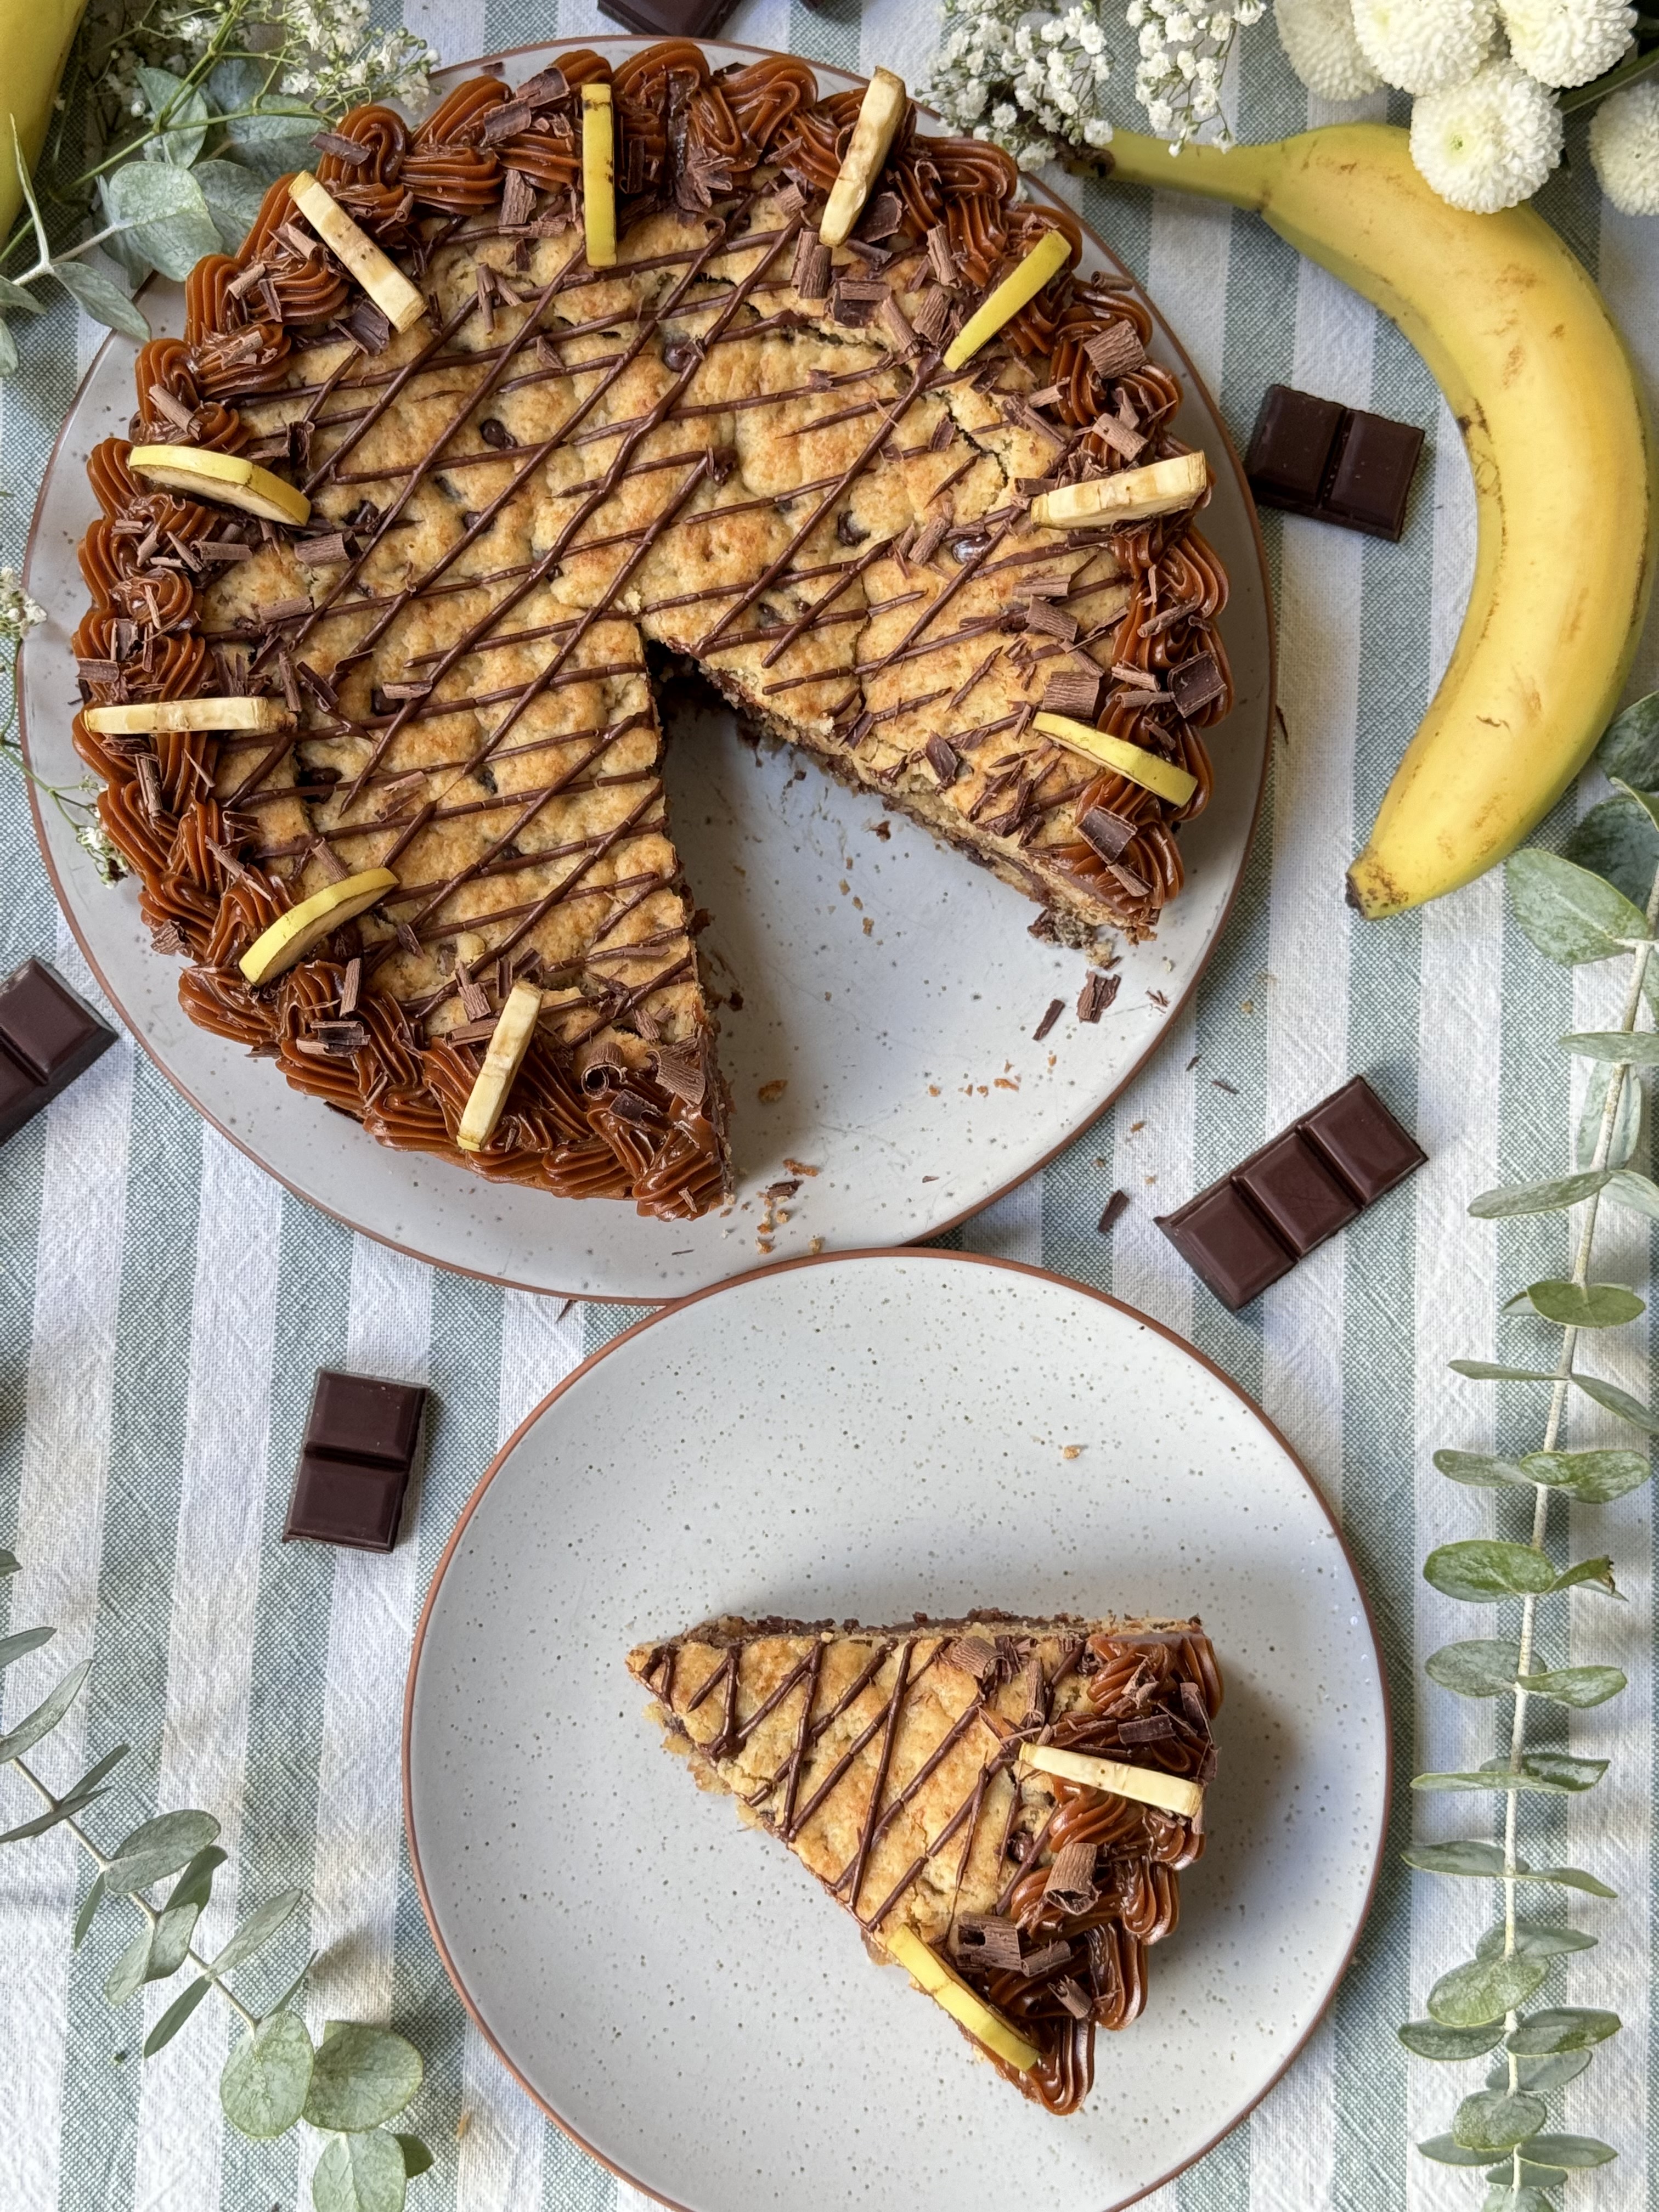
point(77, 803)
point(190, 109)
point(1597, 900)
point(349, 2087)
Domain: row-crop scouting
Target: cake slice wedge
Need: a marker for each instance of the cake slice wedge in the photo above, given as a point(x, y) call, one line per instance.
point(1004, 1805)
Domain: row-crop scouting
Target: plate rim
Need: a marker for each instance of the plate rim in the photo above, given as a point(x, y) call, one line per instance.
point(1196, 383)
point(671, 1310)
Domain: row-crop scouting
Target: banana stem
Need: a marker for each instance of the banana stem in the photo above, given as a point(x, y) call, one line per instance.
point(1241, 175)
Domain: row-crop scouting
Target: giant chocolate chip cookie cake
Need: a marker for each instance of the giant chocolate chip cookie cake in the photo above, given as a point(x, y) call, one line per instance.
point(491, 419)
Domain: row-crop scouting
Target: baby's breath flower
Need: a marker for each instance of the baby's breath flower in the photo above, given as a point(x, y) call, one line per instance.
point(1624, 138)
point(1424, 45)
point(1489, 144)
point(1319, 42)
point(1022, 82)
point(19, 613)
point(1565, 42)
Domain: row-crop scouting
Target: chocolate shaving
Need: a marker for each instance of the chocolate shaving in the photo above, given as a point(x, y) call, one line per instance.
point(1117, 1206)
point(682, 1071)
point(351, 986)
point(175, 409)
point(1071, 1881)
point(941, 256)
point(479, 1031)
point(1195, 684)
point(989, 1939)
point(343, 149)
point(1075, 694)
point(1114, 351)
point(1056, 1008)
point(506, 121)
point(1119, 436)
point(928, 539)
point(544, 89)
point(1105, 833)
point(1153, 1730)
point(1070, 1994)
point(883, 217)
point(475, 999)
point(944, 759)
point(1051, 621)
point(896, 324)
point(329, 552)
point(1135, 885)
point(930, 321)
point(518, 200)
point(341, 1036)
point(332, 866)
point(1045, 1961)
point(1197, 1711)
point(973, 1655)
point(1097, 995)
point(873, 289)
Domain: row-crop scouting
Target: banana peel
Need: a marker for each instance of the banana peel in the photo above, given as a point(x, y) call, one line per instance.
point(1522, 343)
point(34, 45)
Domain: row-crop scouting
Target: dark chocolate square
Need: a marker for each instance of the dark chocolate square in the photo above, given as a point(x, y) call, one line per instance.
point(669, 19)
point(361, 1418)
point(338, 1501)
point(1371, 479)
point(1290, 446)
point(48, 1029)
point(1223, 1239)
point(1292, 1185)
point(1368, 1149)
point(20, 1095)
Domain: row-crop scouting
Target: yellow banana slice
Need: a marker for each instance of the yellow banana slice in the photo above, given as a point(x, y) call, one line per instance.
point(1171, 1793)
point(136, 719)
point(1129, 496)
point(1046, 258)
point(965, 2006)
point(1151, 771)
point(879, 116)
point(292, 935)
point(381, 277)
point(225, 478)
point(504, 1058)
point(599, 176)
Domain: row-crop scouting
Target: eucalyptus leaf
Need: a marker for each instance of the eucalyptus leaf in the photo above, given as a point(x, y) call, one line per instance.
point(1586, 1305)
point(1618, 1401)
point(1576, 2152)
point(1483, 1471)
point(19, 296)
point(258, 1930)
point(236, 83)
point(1534, 1939)
point(1427, 2038)
point(1619, 1048)
point(1503, 2198)
point(1594, 1478)
point(194, 1885)
point(1533, 2174)
point(1616, 842)
point(1492, 2121)
point(1481, 1669)
point(171, 225)
point(1597, 1573)
point(104, 301)
point(10, 1563)
point(1484, 1989)
point(294, 1987)
point(131, 1970)
point(21, 1640)
point(1552, 1772)
point(1511, 1200)
point(1489, 1370)
point(359, 2173)
point(1629, 1118)
point(94, 1774)
point(276, 140)
point(1630, 747)
point(1446, 2151)
point(416, 2157)
point(183, 111)
point(88, 1913)
point(1481, 1570)
point(363, 2076)
point(1578, 1686)
point(1564, 2027)
point(234, 196)
point(263, 2089)
point(7, 348)
point(156, 1849)
point(1635, 1192)
point(171, 1947)
point(47, 1714)
point(1542, 2075)
point(175, 2016)
point(65, 1809)
point(26, 186)
point(1647, 800)
point(123, 248)
point(1570, 914)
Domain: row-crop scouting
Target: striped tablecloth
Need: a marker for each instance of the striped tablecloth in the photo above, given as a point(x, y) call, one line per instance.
point(163, 1306)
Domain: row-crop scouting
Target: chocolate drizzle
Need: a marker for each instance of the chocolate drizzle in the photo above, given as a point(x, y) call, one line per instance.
point(505, 496)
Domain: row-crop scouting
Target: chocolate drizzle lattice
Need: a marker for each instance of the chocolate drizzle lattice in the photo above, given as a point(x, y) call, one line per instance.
point(888, 1760)
point(733, 445)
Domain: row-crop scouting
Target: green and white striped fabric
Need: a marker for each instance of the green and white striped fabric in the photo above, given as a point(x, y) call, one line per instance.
point(163, 1306)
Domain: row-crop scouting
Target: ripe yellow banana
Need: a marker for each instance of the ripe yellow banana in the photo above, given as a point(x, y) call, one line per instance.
point(1522, 344)
point(35, 37)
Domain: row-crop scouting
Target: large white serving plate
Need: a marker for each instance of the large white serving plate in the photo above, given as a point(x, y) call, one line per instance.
point(891, 1041)
point(872, 1435)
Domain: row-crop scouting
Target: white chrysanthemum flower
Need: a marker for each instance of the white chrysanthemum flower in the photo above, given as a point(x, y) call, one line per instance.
point(1489, 144)
point(1319, 43)
point(1565, 42)
point(1623, 139)
point(1424, 45)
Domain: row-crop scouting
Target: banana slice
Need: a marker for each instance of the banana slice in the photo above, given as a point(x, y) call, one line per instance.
point(503, 1060)
point(599, 175)
point(381, 277)
point(1148, 769)
point(1046, 258)
point(1171, 1793)
point(1129, 496)
point(965, 2006)
point(226, 478)
point(879, 118)
point(136, 720)
point(292, 935)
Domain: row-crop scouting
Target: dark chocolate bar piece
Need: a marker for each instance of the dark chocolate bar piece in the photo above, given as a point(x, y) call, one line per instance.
point(48, 1036)
point(1254, 1225)
point(670, 19)
point(1340, 465)
point(356, 1460)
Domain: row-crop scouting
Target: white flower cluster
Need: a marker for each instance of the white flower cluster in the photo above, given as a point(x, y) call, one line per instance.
point(1625, 149)
point(19, 613)
point(1028, 85)
point(336, 61)
point(1486, 127)
point(1183, 52)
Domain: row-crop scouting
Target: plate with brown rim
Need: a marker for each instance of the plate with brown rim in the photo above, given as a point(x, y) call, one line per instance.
point(874, 1435)
point(880, 993)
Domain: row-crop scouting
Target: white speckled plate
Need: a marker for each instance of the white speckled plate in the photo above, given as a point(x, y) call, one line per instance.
point(872, 1435)
point(888, 983)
